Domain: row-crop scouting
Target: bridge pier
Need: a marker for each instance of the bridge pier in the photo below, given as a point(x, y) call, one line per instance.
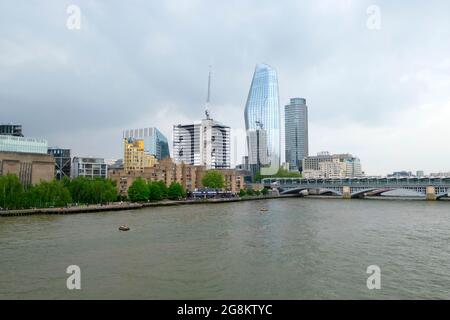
point(431, 193)
point(346, 193)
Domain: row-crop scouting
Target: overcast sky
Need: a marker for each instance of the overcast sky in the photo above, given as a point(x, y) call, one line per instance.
point(382, 94)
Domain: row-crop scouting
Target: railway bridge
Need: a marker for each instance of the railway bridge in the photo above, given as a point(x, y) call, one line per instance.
point(429, 188)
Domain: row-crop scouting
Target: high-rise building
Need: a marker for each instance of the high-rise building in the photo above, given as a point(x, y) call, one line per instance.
point(62, 162)
point(89, 167)
point(296, 132)
point(135, 157)
point(11, 130)
point(262, 110)
point(202, 144)
point(155, 142)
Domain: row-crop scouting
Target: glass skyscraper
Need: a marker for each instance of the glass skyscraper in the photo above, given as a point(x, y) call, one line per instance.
point(262, 112)
point(155, 142)
point(296, 132)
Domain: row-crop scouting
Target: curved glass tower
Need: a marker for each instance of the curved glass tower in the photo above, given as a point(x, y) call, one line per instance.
point(262, 112)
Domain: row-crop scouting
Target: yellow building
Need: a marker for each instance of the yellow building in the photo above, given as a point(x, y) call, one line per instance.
point(135, 158)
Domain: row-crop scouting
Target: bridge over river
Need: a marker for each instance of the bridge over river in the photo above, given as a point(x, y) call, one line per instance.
point(429, 188)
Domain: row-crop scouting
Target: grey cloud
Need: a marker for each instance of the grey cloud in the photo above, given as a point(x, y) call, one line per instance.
point(146, 63)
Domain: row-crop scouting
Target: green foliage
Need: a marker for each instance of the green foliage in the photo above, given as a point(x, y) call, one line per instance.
point(242, 193)
point(257, 192)
point(213, 179)
point(282, 173)
point(264, 191)
point(139, 190)
point(11, 192)
point(156, 191)
point(48, 194)
point(89, 191)
point(176, 191)
point(250, 192)
point(163, 188)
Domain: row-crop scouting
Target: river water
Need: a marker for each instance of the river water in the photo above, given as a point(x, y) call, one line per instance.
point(299, 249)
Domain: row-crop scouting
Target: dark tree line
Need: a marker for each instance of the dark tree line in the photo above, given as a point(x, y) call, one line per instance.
point(141, 190)
point(13, 195)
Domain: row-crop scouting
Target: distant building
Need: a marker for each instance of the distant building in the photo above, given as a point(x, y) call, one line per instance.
point(206, 143)
point(296, 132)
point(257, 150)
point(114, 163)
point(63, 162)
point(11, 130)
point(21, 144)
point(400, 174)
point(440, 174)
point(234, 179)
point(420, 174)
point(31, 168)
point(325, 165)
point(135, 157)
point(89, 167)
point(155, 142)
point(168, 171)
point(312, 162)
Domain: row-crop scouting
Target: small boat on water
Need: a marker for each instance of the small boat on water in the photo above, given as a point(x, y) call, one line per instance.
point(263, 209)
point(124, 228)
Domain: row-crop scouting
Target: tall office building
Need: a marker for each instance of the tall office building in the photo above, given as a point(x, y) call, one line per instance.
point(62, 162)
point(155, 142)
point(206, 143)
point(262, 110)
point(296, 132)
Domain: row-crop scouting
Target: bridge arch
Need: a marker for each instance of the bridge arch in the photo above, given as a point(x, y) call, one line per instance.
point(293, 190)
point(326, 190)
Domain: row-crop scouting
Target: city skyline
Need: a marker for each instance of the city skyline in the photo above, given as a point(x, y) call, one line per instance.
point(378, 94)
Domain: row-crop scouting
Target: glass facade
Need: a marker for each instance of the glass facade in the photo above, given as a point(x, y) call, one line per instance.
point(20, 144)
point(262, 110)
point(155, 142)
point(296, 132)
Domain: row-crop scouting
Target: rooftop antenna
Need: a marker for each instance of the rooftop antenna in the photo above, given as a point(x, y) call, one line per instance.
point(209, 95)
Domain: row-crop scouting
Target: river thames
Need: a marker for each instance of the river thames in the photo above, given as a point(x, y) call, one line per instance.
point(299, 249)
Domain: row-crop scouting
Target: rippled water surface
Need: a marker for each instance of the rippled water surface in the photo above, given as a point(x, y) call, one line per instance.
point(298, 249)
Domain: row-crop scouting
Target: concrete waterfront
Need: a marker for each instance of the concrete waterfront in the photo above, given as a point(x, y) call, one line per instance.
point(119, 206)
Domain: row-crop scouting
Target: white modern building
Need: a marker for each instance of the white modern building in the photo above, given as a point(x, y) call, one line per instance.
point(89, 167)
point(206, 143)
